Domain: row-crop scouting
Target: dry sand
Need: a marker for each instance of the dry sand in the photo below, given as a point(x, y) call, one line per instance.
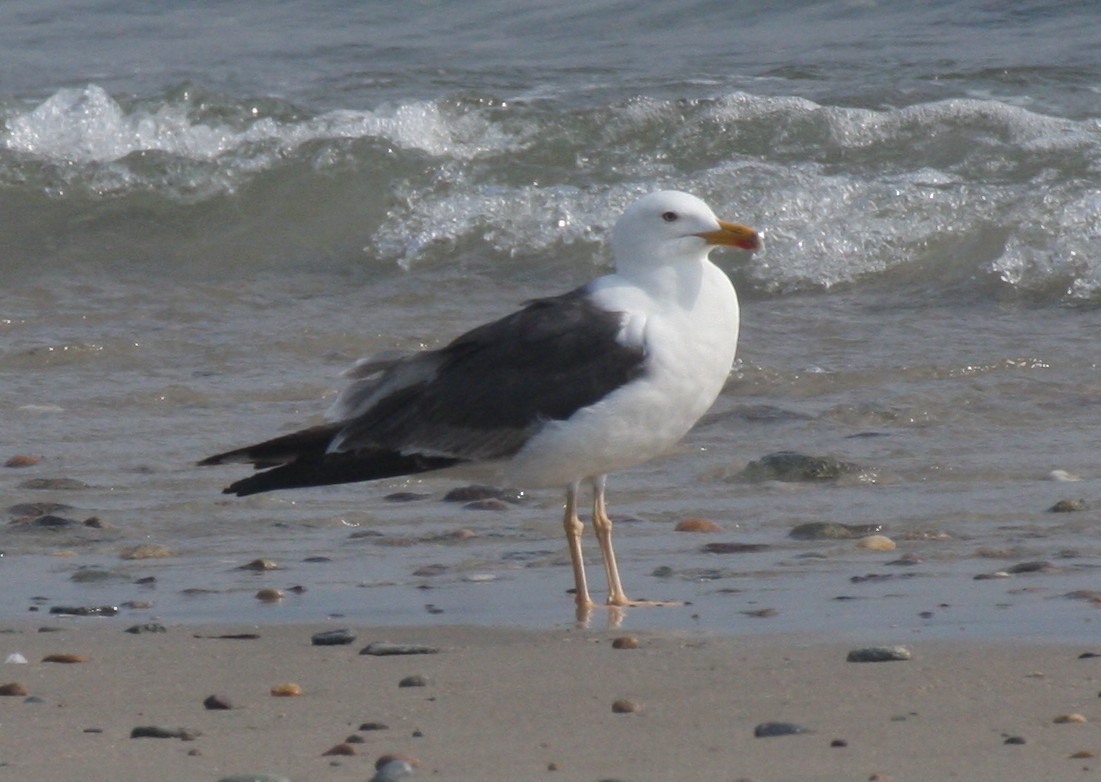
point(504, 704)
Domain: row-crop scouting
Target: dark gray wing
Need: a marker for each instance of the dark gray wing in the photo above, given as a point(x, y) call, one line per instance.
point(487, 392)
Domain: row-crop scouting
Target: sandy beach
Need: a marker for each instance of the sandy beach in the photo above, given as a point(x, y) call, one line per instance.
point(507, 704)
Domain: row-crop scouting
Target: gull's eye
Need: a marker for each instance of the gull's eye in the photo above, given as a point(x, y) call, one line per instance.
point(669, 216)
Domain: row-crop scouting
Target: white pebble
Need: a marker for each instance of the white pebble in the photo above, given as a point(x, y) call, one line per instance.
point(478, 577)
point(17, 658)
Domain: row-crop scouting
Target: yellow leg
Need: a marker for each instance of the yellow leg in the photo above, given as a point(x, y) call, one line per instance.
point(602, 526)
point(573, 536)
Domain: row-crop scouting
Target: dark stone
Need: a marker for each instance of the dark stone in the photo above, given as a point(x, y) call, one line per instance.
point(1037, 566)
point(492, 504)
point(37, 508)
point(1014, 740)
point(149, 627)
point(878, 654)
point(384, 648)
point(789, 466)
point(414, 680)
point(217, 703)
point(164, 732)
point(1068, 506)
point(771, 729)
point(374, 726)
point(405, 496)
point(332, 638)
point(85, 610)
point(828, 530)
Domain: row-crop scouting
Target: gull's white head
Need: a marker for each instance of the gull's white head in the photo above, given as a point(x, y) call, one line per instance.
point(672, 227)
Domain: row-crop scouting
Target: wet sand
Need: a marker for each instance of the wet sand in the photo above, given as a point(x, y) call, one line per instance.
point(509, 704)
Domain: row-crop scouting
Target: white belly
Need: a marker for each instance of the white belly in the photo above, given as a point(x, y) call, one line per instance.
point(689, 355)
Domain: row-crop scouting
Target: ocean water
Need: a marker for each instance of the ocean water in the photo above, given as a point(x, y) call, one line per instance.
point(208, 211)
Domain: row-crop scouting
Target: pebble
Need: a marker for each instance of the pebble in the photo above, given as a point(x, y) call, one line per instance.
point(14, 689)
point(393, 771)
point(829, 530)
point(217, 703)
point(164, 732)
point(37, 508)
point(46, 520)
point(1036, 566)
point(879, 654)
point(1072, 718)
point(355, 738)
point(332, 638)
point(876, 543)
point(1068, 506)
point(1014, 740)
point(427, 571)
point(477, 491)
point(791, 467)
point(64, 658)
point(288, 690)
point(625, 642)
point(15, 658)
point(269, 595)
point(406, 496)
point(771, 729)
point(624, 706)
point(256, 777)
point(839, 743)
point(85, 610)
point(138, 605)
point(381, 648)
point(1083, 753)
point(413, 680)
point(697, 525)
point(259, 565)
point(374, 726)
point(98, 575)
point(22, 460)
point(343, 748)
point(146, 551)
point(762, 613)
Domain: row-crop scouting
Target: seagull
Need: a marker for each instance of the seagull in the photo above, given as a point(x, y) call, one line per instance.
point(560, 393)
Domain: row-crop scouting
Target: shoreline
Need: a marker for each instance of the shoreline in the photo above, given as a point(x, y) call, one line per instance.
point(502, 703)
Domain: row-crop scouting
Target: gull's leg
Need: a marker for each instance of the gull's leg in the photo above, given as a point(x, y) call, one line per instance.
point(573, 536)
point(602, 526)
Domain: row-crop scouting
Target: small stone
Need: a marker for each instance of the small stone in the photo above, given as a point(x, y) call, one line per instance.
point(393, 771)
point(14, 689)
point(1068, 506)
point(374, 726)
point(288, 690)
point(624, 706)
point(64, 658)
point(879, 654)
point(146, 551)
point(829, 530)
point(428, 571)
point(344, 748)
point(37, 508)
point(1036, 566)
point(405, 496)
point(382, 648)
point(395, 756)
point(269, 595)
point(789, 466)
point(332, 638)
point(217, 703)
point(697, 525)
point(625, 642)
point(1083, 753)
point(414, 680)
point(355, 738)
point(15, 658)
point(839, 743)
point(771, 729)
point(1062, 476)
point(85, 610)
point(138, 605)
point(762, 613)
point(22, 460)
point(876, 543)
point(473, 493)
point(1072, 718)
point(164, 732)
point(259, 565)
point(95, 522)
point(1014, 740)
